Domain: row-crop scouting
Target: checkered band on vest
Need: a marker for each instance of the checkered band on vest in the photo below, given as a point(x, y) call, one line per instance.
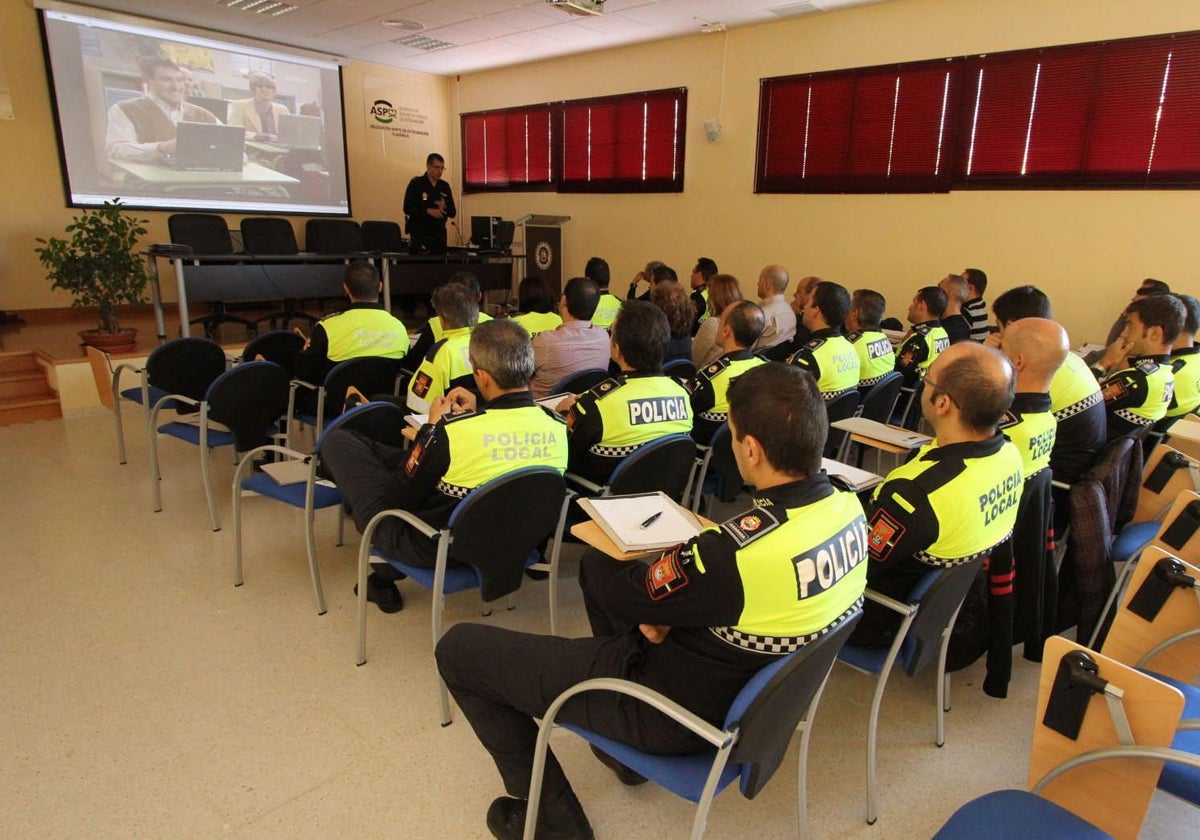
point(614, 451)
point(833, 395)
point(452, 490)
point(778, 644)
point(714, 416)
point(947, 562)
point(1136, 419)
point(1083, 405)
point(872, 380)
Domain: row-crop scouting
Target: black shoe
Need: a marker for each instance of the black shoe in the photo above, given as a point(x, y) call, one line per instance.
point(383, 594)
point(506, 821)
point(536, 574)
point(625, 775)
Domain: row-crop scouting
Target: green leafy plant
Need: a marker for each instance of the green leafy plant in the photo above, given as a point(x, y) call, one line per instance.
point(99, 263)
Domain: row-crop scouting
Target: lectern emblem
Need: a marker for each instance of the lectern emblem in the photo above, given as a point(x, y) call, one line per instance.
point(543, 256)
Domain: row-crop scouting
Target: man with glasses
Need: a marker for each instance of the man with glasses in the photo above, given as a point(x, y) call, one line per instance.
point(957, 499)
point(704, 271)
point(259, 114)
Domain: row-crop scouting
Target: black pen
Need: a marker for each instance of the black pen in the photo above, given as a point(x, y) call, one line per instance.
point(650, 521)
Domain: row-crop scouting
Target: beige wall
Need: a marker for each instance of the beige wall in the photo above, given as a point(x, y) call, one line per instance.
point(32, 203)
point(1087, 249)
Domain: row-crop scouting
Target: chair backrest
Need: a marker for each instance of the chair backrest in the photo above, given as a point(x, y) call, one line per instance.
point(204, 233)
point(879, 402)
point(252, 395)
point(372, 375)
point(1153, 708)
point(185, 366)
point(333, 236)
point(772, 704)
point(580, 381)
point(524, 506)
point(268, 235)
point(382, 422)
point(382, 236)
point(663, 464)
point(940, 592)
point(680, 370)
point(282, 347)
point(839, 408)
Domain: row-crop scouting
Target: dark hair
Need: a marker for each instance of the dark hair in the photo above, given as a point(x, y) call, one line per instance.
point(535, 295)
point(1021, 302)
point(502, 348)
point(746, 321)
point(362, 281)
point(780, 407)
point(1164, 311)
point(456, 304)
point(892, 324)
point(466, 278)
point(434, 156)
point(707, 268)
point(832, 300)
point(677, 304)
point(869, 305)
point(597, 270)
point(583, 295)
point(662, 273)
point(1191, 310)
point(641, 334)
point(934, 300)
point(976, 278)
point(723, 290)
point(1150, 286)
point(150, 66)
point(970, 382)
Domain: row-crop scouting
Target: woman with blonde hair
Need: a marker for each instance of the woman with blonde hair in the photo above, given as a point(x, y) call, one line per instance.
point(723, 290)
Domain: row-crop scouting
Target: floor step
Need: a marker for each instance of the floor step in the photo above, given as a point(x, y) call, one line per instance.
point(25, 384)
point(28, 409)
point(18, 362)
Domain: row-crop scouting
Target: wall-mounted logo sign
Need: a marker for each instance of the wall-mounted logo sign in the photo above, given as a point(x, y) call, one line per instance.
point(383, 111)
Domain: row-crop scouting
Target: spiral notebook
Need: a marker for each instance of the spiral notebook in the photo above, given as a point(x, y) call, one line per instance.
point(643, 521)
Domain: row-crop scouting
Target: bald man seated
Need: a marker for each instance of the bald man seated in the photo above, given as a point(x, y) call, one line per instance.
point(1037, 347)
point(780, 320)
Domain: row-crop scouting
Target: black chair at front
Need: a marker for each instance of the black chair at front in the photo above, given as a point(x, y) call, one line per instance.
point(681, 370)
point(283, 347)
point(333, 236)
point(383, 237)
point(371, 375)
point(664, 464)
point(841, 407)
point(273, 236)
point(580, 381)
point(207, 235)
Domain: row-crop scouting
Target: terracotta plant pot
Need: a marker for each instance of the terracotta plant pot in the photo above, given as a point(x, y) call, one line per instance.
point(124, 341)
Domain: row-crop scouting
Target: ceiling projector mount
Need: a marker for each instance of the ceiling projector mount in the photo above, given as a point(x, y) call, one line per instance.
point(578, 7)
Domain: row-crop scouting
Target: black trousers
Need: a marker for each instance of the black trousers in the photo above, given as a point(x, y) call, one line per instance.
point(502, 680)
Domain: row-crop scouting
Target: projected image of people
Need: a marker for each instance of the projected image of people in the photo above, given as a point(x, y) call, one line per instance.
point(174, 121)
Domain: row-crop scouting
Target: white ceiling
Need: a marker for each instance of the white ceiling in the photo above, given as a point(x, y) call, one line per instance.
point(485, 33)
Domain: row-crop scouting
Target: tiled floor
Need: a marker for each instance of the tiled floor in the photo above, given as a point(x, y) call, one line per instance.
point(145, 696)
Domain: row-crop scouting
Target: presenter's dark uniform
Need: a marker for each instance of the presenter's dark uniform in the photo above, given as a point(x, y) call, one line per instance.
point(1139, 395)
point(448, 460)
point(876, 358)
point(832, 360)
point(947, 506)
point(425, 233)
point(1082, 422)
point(735, 597)
point(710, 392)
point(616, 417)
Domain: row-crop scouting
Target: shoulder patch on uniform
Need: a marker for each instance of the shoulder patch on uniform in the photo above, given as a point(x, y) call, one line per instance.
point(1148, 366)
point(885, 532)
point(433, 350)
point(1009, 419)
point(854, 336)
point(1114, 389)
point(418, 450)
point(716, 367)
point(750, 526)
point(923, 329)
point(814, 343)
point(606, 387)
point(463, 415)
point(421, 383)
point(666, 575)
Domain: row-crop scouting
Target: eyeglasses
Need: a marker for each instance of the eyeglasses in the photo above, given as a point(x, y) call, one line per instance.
point(938, 389)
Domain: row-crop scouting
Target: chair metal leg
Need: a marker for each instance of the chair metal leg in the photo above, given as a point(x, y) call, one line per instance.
point(310, 543)
point(943, 682)
point(1118, 587)
point(873, 721)
point(341, 515)
point(439, 603)
point(805, 727)
point(364, 563)
point(238, 476)
point(155, 473)
point(205, 468)
point(555, 554)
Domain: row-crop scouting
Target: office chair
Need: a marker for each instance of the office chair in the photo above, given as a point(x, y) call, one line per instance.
point(371, 375)
point(580, 381)
point(207, 235)
point(273, 236)
point(383, 237)
point(333, 236)
point(283, 347)
point(663, 464)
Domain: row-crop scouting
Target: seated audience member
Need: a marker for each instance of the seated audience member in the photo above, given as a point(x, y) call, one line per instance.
point(723, 290)
point(702, 275)
point(651, 275)
point(447, 363)
point(536, 306)
point(784, 350)
point(954, 321)
point(827, 355)
point(876, 358)
point(259, 114)
point(364, 329)
point(1135, 370)
point(576, 345)
point(1185, 363)
point(458, 450)
point(740, 326)
point(432, 331)
point(1037, 348)
point(975, 308)
point(780, 319)
point(1074, 393)
point(957, 499)
point(926, 339)
point(143, 128)
point(639, 405)
point(597, 271)
point(677, 306)
point(695, 625)
point(1146, 288)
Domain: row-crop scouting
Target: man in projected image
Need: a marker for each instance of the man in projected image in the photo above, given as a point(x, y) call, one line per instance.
point(259, 115)
point(143, 128)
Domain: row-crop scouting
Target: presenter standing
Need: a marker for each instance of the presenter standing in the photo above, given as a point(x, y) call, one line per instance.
point(428, 203)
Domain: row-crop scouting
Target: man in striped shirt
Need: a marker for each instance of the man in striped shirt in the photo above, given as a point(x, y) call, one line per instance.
point(975, 308)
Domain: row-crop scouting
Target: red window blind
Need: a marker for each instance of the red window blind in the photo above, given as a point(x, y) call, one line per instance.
point(627, 143)
point(876, 129)
point(508, 150)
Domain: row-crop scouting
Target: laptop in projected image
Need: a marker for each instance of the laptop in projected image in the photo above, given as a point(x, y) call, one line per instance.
point(209, 147)
point(297, 131)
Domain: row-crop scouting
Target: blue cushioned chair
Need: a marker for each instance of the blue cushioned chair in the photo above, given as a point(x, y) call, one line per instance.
point(371, 375)
point(781, 698)
point(580, 381)
point(379, 420)
point(927, 617)
point(252, 395)
point(492, 536)
point(663, 464)
point(706, 479)
point(283, 347)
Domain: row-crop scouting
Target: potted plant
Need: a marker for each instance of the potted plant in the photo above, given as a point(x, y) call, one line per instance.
point(99, 265)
